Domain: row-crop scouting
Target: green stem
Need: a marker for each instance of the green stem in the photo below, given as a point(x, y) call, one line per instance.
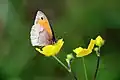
point(84, 68)
point(98, 63)
point(97, 67)
point(69, 70)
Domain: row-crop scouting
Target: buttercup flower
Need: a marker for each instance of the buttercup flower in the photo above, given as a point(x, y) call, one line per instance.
point(51, 50)
point(99, 41)
point(80, 52)
point(91, 45)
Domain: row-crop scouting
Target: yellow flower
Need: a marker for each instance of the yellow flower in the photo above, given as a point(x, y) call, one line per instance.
point(91, 45)
point(80, 52)
point(99, 41)
point(58, 45)
point(51, 50)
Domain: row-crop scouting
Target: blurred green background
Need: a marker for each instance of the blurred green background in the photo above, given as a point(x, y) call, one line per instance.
point(77, 21)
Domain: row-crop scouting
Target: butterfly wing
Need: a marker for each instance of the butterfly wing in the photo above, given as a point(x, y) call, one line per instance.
point(53, 34)
point(41, 32)
point(40, 15)
point(39, 36)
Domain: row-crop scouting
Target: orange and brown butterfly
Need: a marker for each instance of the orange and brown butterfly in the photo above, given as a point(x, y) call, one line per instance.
point(41, 32)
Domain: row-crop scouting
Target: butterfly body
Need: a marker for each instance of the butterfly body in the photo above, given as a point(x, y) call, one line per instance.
point(41, 32)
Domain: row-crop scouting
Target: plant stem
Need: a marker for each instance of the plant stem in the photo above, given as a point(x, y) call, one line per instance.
point(98, 63)
point(75, 78)
point(69, 70)
point(97, 67)
point(85, 71)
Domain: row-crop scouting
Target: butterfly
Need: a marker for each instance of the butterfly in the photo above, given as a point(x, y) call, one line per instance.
point(41, 32)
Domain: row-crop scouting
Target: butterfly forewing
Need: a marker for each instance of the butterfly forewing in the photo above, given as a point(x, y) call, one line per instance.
point(39, 34)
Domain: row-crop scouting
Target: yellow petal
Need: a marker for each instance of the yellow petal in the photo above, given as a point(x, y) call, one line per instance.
point(37, 49)
point(58, 46)
point(84, 52)
point(99, 41)
point(91, 44)
point(51, 50)
point(78, 50)
point(48, 50)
